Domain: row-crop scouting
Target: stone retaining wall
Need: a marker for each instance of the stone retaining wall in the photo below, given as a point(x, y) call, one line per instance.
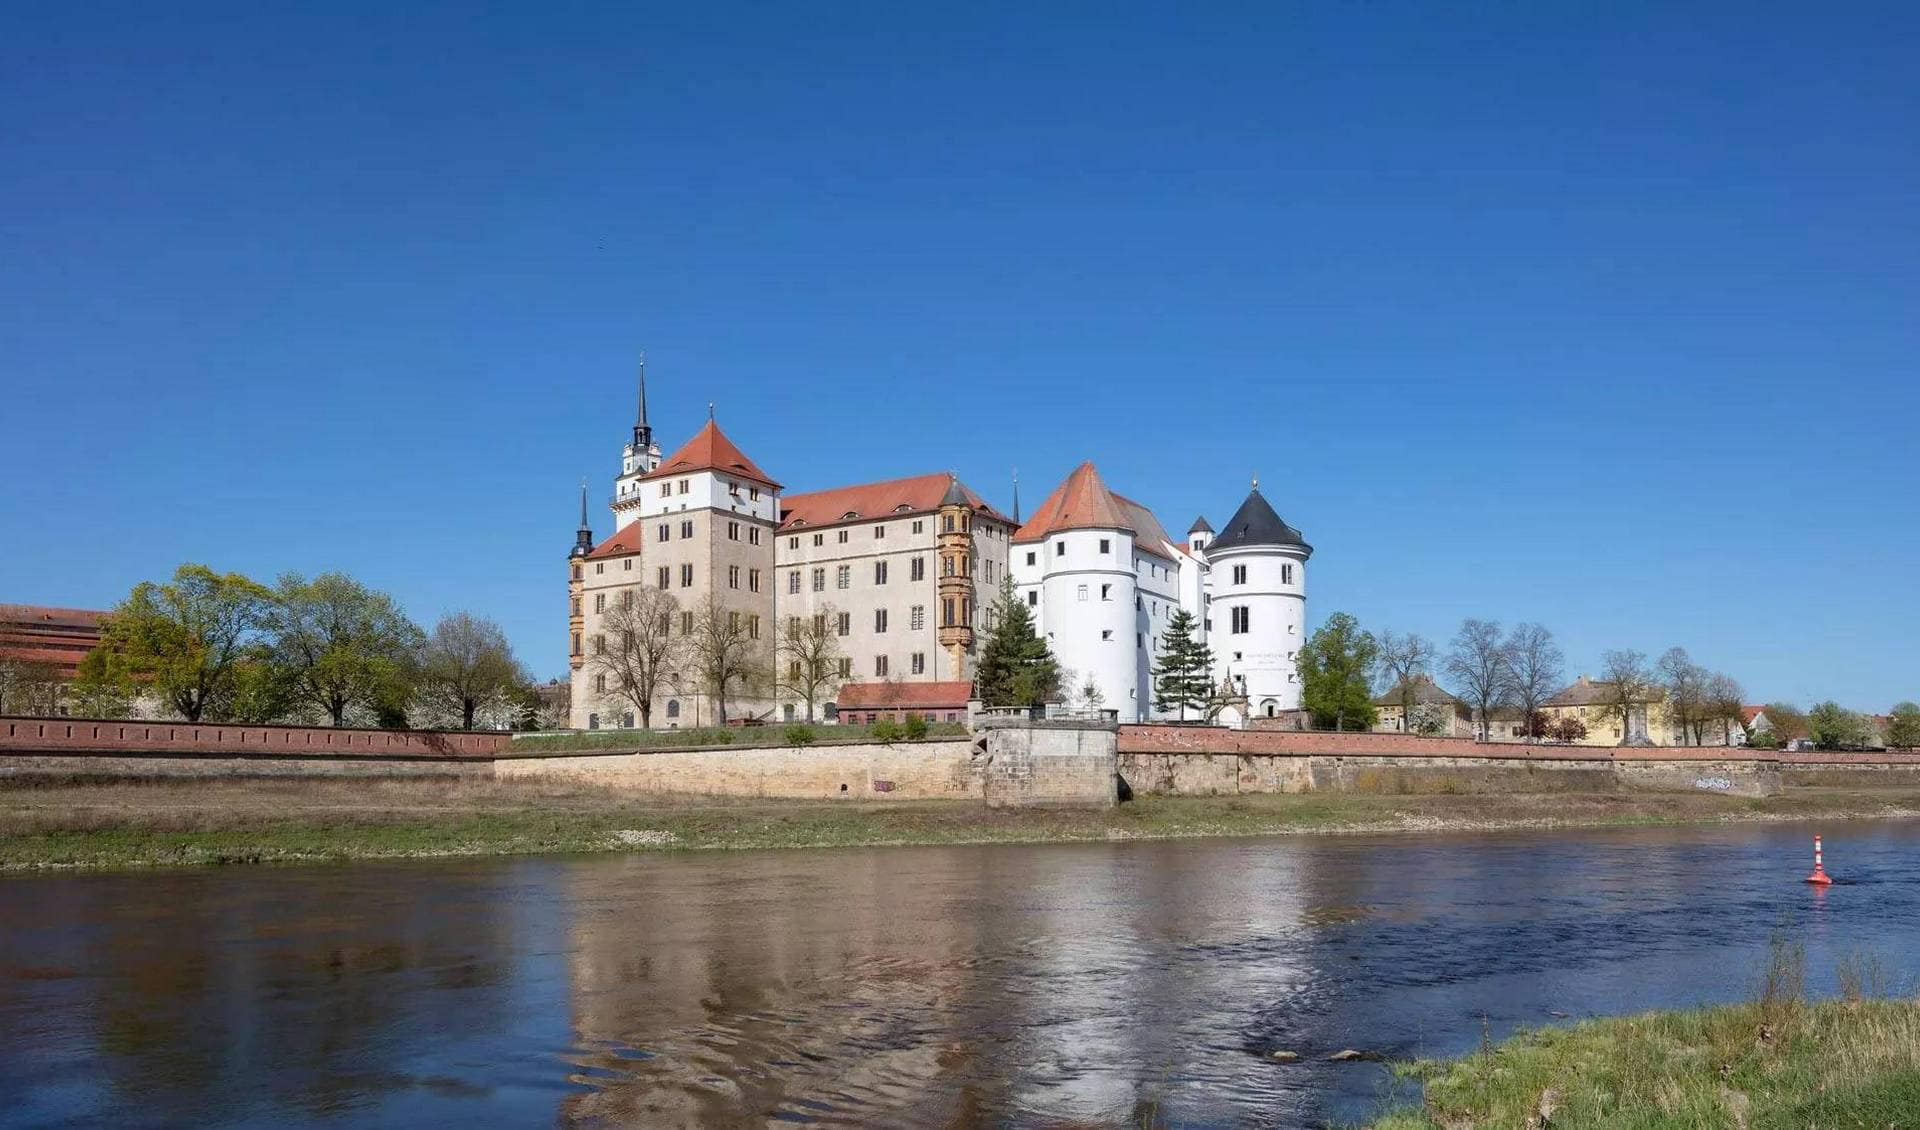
point(937, 768)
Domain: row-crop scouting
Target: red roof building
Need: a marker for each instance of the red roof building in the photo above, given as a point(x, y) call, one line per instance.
point(935, 701)
point(56, 637)
point(916, 494)
point(711, 450)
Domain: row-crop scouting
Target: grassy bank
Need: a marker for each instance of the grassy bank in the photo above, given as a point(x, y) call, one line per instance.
point(1774, 1064)
point(258, 820)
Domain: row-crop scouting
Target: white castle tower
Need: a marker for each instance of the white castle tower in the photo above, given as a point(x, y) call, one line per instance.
point(636, 460)
point(1257, 585)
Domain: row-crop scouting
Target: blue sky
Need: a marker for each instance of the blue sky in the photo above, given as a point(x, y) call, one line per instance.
point(1602, 316)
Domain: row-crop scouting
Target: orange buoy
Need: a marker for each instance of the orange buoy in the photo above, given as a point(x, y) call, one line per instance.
point(1819, 875)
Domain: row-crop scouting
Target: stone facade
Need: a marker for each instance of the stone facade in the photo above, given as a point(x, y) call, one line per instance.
point(923, 770)
point(1050, 766)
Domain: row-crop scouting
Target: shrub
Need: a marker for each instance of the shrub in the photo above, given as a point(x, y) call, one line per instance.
point(799, 734)
point(885, 730)
point(916, 727)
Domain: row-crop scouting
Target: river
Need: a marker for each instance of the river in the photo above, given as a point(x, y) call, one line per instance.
point(1112, 984)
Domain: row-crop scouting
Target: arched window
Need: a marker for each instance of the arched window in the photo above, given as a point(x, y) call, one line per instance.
point(593, 721)
point(673, 708)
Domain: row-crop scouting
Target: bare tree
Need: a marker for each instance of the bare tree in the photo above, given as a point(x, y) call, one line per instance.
point(1684, 684)
point(1627, 685)
point(636, 649)
point(1401, 659)
point(30, 687)
point(1477, 665)
point(1534, 670)
point(1726, 705)
point(808, 652)
point(726, 651)
point(467, 664)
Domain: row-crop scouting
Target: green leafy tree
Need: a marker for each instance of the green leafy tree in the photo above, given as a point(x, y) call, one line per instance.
point(1903, 726)
point(263, 690)
point(1183, 675)
point(179, 641)
point(1833, 726)
point(1016, 666)
point(1334, 666)
point(344, 645)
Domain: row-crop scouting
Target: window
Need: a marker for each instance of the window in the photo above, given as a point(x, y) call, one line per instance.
point(593, 721)
point(793, 671)
point(1106, 545)
point(626, 598)
point(879, 572)
point(666, 489)
point(600, 684)
point(879, 532)
point(819, 539)
point(946, 613)
point(599, 645)
point(880, 666)
point(1033, 598)
point(576, 606)
point(666, 575)
point(733, 621)
point(793, 543)
point(733, 531)
point(599, 566)
point(753, 580)
point(686, 528)
point(673, 708)
point(686, 576)
point(919, 527)
point(683, 486)
point(733, 576)
point(627, 564)
point(1286, 574)
point(1081, 592)
point(753, 535)
point(577, 572)
point(879, 620)
point(1139, 640)
point(793, 581)
point(753, 626)
point(946, 566)
point(753, 494)
point(820, 623)
point(666, 623)
point(946, 524)
point(919, 663)
point(793, 627)
point(1106, 592)
point(1238, 621)
point(686, 623)
point(846, 667)
point(665, 532)
point(1106, 634)
point(843, 577)
point(576, 643)
point(1239, 574)
point(917, 569)
point(819, 580)
point(917, 617)
point(845, 625)
point(1059, 549)
point(842, 539)
point(1030, 559)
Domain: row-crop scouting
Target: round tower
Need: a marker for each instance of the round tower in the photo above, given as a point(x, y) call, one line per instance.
point(1257, 574)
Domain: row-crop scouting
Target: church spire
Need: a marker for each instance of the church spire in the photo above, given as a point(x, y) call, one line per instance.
point(642, 432)
point(583, 537)
point(1016, 496)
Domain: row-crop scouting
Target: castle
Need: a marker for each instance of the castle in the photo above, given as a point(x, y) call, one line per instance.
point(903, 575)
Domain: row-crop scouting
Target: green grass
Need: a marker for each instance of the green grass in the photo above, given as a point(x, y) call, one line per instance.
point(741, 736)
point(1777, 1063)
point(121, 824)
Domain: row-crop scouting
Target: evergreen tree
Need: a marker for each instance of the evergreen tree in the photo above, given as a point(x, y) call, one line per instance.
point(1016, 666)
point(1183, 676)
point(1333, 674)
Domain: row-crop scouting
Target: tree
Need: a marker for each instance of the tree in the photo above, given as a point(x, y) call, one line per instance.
point(1091, 696)
point(1783, 724)
point(1684, 683)
point(1534, 672)
point(1903, 725)
point(467, 664)
point(29, 687)
point(726, 652)
point(1431, 719)
point(178, 641)
point(1016, 666)
point(1401, 660)
point(1726, 706)
point(1832, 726)
point(345, 644)
point(1183, 675)
point(809, 653)
point(1333, 674)
point(263, 691)
point(1626, 687)
point(1477, 666)
point(1567, 729)
point(635, 650)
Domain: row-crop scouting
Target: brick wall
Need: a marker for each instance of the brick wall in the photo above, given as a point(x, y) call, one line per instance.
point(80, 738)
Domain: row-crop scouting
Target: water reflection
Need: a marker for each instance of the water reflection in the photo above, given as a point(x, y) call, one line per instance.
point(1073, 985)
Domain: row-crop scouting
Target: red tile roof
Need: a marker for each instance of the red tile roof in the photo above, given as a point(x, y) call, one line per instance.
point(904, 696)
point(711, 450)
point(916, 494)
point(623, 543)
point(1082, 502)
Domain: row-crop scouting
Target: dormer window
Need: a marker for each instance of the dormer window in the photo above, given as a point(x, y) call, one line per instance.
point(849, 515)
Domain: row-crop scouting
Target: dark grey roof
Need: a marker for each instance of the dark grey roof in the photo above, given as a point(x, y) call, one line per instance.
point(956, 494)
point(1255, 523)
point(1200, 526)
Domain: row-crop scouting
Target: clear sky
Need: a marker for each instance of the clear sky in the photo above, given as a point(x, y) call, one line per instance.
point(1598, 315)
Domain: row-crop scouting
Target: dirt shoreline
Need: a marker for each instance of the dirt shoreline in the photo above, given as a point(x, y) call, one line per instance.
point(103, 826)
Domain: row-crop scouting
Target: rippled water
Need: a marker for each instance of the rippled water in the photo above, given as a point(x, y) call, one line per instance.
point(1043, 986)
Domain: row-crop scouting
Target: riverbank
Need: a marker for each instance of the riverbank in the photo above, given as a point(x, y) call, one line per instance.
point(1779, 1065)
point(134, 824)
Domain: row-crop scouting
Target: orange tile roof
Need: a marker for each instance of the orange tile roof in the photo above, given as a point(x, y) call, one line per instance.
point(623, 543)
point(903, 696)
point(916, 494)
point(711, 450)
point(1082, 502)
